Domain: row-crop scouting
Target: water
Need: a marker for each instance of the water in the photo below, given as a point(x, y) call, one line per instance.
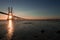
point(10, 29)
point(30, 30)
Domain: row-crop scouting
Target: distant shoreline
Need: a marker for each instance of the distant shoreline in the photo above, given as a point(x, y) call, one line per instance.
point(36, 20)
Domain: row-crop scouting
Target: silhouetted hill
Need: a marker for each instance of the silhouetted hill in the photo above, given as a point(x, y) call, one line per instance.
point(44, 19)
point(23, 19)
point(38, 19)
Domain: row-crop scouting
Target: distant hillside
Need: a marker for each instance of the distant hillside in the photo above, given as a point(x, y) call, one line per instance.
point(38, 19)
point(42, 19)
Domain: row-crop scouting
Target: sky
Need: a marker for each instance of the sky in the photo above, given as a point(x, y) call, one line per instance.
point(32, 9)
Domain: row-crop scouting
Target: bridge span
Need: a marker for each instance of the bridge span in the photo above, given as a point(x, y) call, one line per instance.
point(13, 16)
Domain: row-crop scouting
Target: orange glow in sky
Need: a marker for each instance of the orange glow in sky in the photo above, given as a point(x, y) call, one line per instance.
point(4, 17)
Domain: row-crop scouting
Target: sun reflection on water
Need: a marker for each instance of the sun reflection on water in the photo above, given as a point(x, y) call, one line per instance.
point(9, 29)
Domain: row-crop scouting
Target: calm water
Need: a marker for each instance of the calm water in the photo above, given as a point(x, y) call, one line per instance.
point(30, 30)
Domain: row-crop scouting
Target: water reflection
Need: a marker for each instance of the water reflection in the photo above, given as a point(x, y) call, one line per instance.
point(9, 29)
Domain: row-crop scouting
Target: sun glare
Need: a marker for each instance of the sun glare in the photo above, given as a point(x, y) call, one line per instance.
point(10, 29)
point(10, 17)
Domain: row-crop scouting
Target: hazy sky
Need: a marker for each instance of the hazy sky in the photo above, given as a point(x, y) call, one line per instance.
point(38, 9)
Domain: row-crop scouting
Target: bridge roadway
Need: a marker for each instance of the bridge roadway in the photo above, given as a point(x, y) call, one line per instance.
point(13, 15)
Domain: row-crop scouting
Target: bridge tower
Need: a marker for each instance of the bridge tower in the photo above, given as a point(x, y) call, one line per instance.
point(10, 14)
